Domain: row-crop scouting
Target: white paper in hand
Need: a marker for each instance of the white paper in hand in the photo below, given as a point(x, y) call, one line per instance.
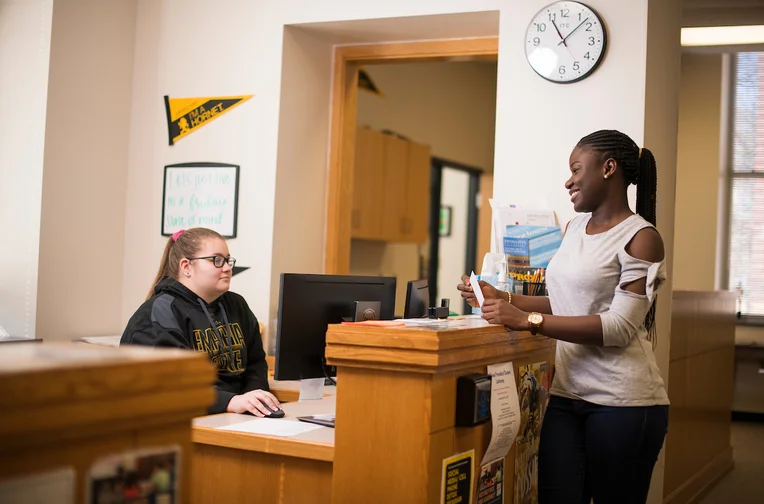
point(476, 289)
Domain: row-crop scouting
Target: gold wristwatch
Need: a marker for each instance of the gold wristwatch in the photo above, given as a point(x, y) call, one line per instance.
point(535, 320)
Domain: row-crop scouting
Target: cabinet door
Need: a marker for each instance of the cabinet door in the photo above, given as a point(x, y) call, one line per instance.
point(368, 179)
point(417, 194)
point(394, 189)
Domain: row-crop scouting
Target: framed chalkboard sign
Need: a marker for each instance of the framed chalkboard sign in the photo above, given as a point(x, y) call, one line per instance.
point(200, 195)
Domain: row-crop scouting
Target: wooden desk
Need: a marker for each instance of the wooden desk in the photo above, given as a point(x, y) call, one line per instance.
point(240, 467)
point(65, 406)
point(395, 409)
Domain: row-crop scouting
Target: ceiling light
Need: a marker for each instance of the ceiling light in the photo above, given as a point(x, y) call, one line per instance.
point(723, 35)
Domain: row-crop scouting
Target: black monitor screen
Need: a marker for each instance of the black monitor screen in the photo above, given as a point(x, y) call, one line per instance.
point(308, 304)
point(417, 299)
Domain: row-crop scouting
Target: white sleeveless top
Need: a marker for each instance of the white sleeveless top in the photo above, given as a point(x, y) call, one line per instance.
point(582, 279)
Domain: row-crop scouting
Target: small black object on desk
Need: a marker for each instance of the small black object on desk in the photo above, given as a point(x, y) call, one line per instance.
point(440, 312)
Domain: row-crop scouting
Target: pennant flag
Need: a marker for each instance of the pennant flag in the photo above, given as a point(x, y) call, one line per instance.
point(239, 269)
point(185, 115)
point(365, 82)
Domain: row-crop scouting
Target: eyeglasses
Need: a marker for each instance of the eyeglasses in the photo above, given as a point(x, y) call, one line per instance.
point(217, 260)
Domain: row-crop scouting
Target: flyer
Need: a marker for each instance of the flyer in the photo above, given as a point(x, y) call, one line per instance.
point(505, 412)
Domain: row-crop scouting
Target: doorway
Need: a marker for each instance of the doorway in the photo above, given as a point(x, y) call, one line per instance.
point(347, 62)
point(453, 230)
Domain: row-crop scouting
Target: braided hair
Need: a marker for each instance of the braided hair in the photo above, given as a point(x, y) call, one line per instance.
point(638, 168)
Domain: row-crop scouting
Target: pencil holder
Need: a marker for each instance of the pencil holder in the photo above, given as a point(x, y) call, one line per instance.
point(534, 289)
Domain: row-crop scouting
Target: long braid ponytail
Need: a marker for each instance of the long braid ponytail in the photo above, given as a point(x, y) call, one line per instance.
point(638, 166)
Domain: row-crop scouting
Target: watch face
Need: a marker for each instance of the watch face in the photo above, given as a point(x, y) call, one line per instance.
point(535, 318)
point(565, 42)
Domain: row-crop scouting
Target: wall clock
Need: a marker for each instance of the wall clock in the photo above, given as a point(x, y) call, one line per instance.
point(565, 42)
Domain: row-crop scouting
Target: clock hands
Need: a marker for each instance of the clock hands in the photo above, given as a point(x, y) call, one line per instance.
point(558, 33)
point(562, 40)
point(572, 32)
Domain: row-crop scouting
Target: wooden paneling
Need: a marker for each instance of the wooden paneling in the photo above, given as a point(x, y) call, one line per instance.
point(396, 405)
point(425, 350)
point(263, 444)
point(415, 224)
point(368, 184)
point(228, 474)
point(701, 374)
point(396, 163)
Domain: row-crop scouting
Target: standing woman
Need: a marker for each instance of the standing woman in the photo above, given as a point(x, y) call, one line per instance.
point(608, 412)
point(190, 306)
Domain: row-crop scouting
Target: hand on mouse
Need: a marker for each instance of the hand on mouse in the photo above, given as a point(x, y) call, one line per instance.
point(254, 402)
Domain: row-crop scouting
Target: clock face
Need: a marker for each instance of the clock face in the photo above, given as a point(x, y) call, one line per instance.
point(565, 42)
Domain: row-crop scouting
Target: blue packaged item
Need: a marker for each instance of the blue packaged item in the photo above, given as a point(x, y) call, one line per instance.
point(531, 246)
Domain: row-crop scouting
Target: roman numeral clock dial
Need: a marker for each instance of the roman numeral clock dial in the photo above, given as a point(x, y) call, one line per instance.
point(565, 42)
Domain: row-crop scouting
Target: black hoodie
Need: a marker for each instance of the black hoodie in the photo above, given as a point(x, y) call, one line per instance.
point(176, 317)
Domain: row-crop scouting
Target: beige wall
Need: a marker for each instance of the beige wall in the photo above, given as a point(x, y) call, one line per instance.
point(85, 169)
point(449, 106)
point(697, 185)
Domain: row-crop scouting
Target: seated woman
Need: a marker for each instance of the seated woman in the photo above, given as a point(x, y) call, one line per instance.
point(190, 306)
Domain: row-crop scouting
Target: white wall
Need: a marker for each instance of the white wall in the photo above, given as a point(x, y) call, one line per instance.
point(25, 29)
point(85, 170)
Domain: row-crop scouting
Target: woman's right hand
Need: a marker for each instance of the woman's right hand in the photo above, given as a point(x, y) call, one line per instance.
point(489, 291)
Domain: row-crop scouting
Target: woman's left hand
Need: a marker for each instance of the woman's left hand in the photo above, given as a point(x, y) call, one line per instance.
point(498, 311)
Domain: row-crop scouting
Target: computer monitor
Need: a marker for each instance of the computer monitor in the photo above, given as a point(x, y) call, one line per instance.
point(308, 304)
point(417, 299)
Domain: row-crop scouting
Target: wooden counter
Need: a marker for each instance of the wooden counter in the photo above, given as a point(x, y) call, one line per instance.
point(396, 405)
point(65, 406)
point(395, 410)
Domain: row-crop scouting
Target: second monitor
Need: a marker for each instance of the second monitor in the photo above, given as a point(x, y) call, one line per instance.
point(308, 304)
point(417, 299)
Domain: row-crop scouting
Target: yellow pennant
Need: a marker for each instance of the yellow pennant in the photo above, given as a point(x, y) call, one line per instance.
point(185, 115)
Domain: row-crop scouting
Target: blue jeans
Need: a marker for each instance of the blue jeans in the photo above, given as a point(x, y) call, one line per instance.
point(605, 453)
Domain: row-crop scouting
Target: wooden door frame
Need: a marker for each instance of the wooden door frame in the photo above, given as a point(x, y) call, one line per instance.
point(344, 100)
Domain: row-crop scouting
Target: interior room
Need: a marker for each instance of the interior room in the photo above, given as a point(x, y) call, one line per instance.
point(338, 151)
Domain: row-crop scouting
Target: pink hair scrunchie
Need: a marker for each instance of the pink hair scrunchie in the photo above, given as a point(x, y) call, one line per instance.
point(177, 234)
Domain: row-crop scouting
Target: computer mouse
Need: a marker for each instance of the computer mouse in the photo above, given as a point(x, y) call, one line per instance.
point(277, 413)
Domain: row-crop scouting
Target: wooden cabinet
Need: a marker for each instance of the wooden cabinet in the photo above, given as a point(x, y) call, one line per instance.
point(368, 180)
point(391, 188)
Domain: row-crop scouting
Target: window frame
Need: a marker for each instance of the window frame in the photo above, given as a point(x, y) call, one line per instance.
point(727, 176)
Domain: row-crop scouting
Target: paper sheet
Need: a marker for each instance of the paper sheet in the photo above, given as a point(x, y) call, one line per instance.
point(505, 412)
point(311, 389)
point(272, 427)
point(476, 289)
